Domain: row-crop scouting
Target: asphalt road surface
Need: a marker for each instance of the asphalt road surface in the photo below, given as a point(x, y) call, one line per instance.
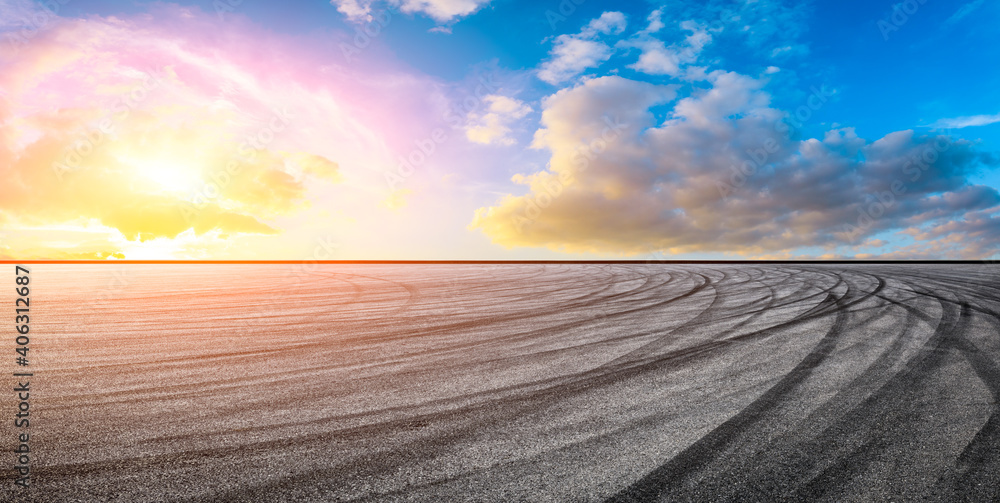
point(589, 383)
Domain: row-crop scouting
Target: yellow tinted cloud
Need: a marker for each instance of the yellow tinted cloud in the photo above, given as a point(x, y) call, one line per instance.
point(136, 134)
point(720, 176)
point(149, 180)
point(397, 199)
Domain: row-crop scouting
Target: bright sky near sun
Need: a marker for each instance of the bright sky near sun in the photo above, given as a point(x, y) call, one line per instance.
point(499, 129)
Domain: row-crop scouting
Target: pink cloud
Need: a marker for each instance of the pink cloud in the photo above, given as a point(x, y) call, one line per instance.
point(174, 89)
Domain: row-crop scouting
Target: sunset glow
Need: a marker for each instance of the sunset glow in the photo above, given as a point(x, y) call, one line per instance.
point(397, 130)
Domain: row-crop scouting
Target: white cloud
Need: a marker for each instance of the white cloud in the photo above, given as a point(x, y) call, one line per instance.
point(658, 59)
point(493, 127)
point(790, 51)
point(355, 10)
point(964, 11)
point(676, 186)
point(572, 54)
point(970, 121)
point(610, 23)
point(442, 11)
point(655, 21)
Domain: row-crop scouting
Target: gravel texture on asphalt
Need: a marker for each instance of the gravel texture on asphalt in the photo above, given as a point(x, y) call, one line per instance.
point(527, 382)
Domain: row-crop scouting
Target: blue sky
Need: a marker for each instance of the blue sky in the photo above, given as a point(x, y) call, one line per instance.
point(849, 94)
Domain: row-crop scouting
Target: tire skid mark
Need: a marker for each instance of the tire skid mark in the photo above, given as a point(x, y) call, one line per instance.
point(880, 420)
point(780, 444)
point(670, 477)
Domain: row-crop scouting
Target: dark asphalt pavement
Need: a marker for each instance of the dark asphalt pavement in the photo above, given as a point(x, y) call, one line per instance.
point(596, 383)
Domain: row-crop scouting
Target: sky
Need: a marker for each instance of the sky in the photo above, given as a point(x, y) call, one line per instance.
point(499, 129)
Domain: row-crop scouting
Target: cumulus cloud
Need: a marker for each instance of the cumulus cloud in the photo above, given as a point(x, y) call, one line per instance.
point(136, 129)
point(140, 185)
point(610, 23)
point(721, 174)
point(658, 59)
point(493, 126)
point(442, 11)
point(655, 21)
point(759, 26)
point(572, 54)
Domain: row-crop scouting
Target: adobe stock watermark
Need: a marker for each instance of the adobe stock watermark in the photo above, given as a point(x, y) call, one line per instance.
point(879, 203)
point(581, 160)
point(595, 316)
point(33, 25)
point(103, 130)
point(116, 285)
point(992, 264)
point(456, 120)
point(563, 11)
point(657, 257)
point(223, 7)
point(760, 156)
point(423, 149)
point(246, 151)
point(365, 33)
point(901, 13)
point(324, 248)
point(567, 8)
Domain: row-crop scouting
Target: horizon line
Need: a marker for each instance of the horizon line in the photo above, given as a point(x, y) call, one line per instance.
point(497, 262)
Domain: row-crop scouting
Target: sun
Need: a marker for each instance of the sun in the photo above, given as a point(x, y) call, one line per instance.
point(170, 175)
point(165, 173)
